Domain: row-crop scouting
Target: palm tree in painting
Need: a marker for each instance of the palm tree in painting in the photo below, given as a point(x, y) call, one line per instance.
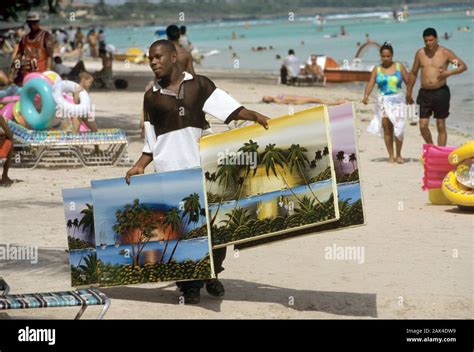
point(90, 268)
point(171, 222)
point(318, 156)
point(307, 206)
point(353, 159)
point(174, 220)
point(192, 208)
point(87, 222)
point(135, 217)
point(69, 225)
point(326, 151)
point(211, 178)
point(297, 159)
point(75, 225)
point(226, 175)
point(273, 157)
point(340, 157)
point(237, 217)
point(248, 148)
point(202, 213)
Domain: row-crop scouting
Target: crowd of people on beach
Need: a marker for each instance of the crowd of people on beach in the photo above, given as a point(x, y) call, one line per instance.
point(40, 50)
point(50, 48)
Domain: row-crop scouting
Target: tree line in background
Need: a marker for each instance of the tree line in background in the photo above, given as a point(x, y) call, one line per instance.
point(202, 9)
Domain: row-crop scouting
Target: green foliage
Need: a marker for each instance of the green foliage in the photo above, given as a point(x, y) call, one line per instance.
point(196, 233)
point(76, 243)
point(112, 275)
point(323, 175)
point(242, 226)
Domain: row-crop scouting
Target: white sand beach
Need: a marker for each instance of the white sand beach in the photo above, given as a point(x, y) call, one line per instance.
point(418, 261)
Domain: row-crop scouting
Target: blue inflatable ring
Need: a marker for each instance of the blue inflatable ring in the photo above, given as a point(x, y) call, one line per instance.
point(42, 120)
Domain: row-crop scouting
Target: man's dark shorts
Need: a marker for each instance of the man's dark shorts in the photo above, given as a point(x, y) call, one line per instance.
point(434, 101)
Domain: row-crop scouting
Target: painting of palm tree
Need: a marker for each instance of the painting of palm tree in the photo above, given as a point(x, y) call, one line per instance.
point(273, 157)
point(69, 225)
point(75, 226)
point(266, 176)
point(172, 220)
point(340, 157)
point(349, 196)
point(353, 159)
point(134, 217)
point(297, 159)
point(226, 176)
point(78, 211)
point(326, 151)
point(161, 225)
point(87, 222)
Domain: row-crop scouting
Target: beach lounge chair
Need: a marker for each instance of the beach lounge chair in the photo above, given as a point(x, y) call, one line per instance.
point(60, 148)
point(82, 298)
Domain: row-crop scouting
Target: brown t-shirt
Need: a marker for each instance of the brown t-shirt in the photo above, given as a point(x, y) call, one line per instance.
point(174, 122)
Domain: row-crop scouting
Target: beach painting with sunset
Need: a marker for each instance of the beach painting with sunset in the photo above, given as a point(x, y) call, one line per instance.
point(153, 230)
point(261, 183)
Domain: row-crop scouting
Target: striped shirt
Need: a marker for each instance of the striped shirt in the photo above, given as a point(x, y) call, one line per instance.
point(174, 123)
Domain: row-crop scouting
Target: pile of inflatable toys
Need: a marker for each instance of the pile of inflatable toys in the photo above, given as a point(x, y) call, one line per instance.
point(43, 101)
point(449, 175)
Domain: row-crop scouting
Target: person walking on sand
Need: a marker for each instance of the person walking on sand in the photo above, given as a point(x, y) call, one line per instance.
point(172, 134)
point(434, 95)
point(390, 102)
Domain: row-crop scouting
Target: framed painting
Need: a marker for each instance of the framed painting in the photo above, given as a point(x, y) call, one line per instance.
point(346, 165)
point(262, 183)
point(153, 230)
point(79, 214)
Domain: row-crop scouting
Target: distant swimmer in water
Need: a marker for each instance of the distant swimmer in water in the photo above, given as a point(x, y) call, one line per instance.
point(299, 100)
point(343, 31)
point(447, 36)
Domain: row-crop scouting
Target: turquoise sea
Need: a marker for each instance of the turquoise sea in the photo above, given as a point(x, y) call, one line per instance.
point(282, 34)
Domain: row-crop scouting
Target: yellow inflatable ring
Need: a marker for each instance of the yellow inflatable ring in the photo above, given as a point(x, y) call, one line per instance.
point(456, 192)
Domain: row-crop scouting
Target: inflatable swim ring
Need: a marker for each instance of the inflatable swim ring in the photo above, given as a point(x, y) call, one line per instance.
point(70, 109)
point(458, 185)
point(38, 120)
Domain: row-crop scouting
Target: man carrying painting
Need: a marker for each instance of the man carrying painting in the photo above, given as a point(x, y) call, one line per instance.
point(174, 120)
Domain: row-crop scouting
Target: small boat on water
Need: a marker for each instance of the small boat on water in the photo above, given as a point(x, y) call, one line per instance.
point(351, 72)
point(355, 71)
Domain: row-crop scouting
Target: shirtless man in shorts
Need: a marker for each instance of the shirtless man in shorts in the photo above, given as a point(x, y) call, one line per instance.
point(434, 95)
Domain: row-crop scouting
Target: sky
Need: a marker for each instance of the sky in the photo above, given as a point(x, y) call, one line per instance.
point(310, 132)
point(166, 189)
point(342, 133)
